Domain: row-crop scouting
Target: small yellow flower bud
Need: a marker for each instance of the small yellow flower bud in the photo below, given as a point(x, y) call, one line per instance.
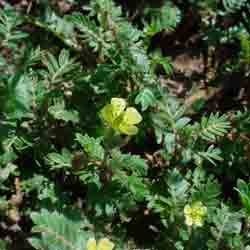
point(103, 244)
point(195, 214)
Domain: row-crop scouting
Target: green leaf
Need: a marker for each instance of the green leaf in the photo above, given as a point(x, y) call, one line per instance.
point(7, 171)
point(165, 62)
point(226, 222)
point(205, 188)
point(60, 69)
point(57, 232)
point(213, 127)
point(177, 185)
point(170, 142)
point(146, 99)
point(234, 5)
point(137, 187)
point(19, 96)
point(212, 155)
point(164, 18)
point(129, 170)
point(62, 160)
point(89, 31)
point(3, 245)
point(10, 31)
point(244, 191)
point(129, 162)
point(58, 112)
point(182, 122)
point(3, 206)
point(91, 146)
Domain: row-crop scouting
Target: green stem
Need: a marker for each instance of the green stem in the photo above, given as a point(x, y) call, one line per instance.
point(191, 233)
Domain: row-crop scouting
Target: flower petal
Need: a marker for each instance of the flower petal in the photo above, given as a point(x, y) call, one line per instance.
point(105, 244)
point(128, 129)
point(189, 221)
point(106, 114)
point(132, 116)
point(118, 106)
point(187, 210)
point(91, 244)
point(198, 221)
point(202, 211)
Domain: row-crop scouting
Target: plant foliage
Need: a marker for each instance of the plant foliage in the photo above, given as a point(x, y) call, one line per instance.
point(124, 125)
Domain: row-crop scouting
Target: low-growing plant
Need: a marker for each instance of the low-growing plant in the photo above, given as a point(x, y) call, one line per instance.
point(101, 149)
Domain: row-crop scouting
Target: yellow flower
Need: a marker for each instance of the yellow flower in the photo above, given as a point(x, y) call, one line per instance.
point(120, 118)
point(195, 214)
point(103, 244)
